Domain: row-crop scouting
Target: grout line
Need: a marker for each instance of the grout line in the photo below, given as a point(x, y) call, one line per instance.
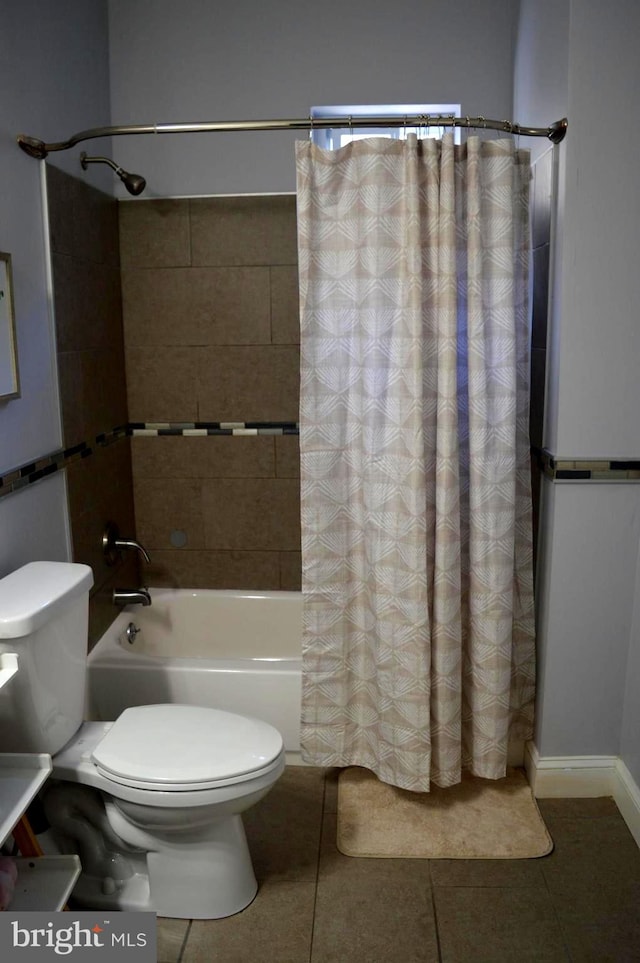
point(435, 914)
point(320, 840)
point(184, 942)
point(270, 307)
point(553, 906)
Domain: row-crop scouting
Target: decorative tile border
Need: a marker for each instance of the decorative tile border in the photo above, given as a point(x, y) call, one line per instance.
point(556, 469)
point(200, 428)
point(592, 469)
point(18, 478)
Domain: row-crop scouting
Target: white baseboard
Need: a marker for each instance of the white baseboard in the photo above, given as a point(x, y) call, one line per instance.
point(569, 776)
point(627, 797)
point(585, 777)
point(293, 757)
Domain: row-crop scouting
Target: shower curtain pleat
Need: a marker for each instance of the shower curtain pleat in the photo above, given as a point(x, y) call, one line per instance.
point(418, 643)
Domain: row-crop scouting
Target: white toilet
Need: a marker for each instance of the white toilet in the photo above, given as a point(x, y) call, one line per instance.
point(153, 800)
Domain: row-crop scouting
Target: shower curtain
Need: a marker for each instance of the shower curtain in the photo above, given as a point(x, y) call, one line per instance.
point(418, 632)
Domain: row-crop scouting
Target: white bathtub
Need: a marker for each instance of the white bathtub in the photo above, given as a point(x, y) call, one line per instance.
point(234, 650)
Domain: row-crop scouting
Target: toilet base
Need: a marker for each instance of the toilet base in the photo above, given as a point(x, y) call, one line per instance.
point(209, 880)
point(133, 895)
point(218, 900)
point(184, 873)
point(206, 875)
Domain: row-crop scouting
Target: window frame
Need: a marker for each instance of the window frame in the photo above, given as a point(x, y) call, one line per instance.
point(332, 138)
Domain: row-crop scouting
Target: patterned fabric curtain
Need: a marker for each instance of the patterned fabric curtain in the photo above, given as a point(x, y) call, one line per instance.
point(418, 633)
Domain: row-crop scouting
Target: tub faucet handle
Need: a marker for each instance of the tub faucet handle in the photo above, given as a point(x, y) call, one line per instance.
point(112, 544)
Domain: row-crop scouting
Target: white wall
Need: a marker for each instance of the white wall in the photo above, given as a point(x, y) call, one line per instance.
point(630, 737)
point(585, 616)
point(599, 387)
point(582, 55)
point(542, 37)
point(198, 61)
point(593, 390)
point(541, 89)
point(54, 79)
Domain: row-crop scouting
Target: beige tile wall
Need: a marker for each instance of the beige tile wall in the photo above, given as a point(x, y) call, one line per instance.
point(210, 304)
point(83, 224)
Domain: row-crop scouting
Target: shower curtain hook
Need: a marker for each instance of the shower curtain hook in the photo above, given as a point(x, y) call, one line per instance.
point(351, 126)
point(310, 126)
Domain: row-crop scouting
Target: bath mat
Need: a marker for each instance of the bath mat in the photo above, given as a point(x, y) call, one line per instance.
point(477, 819)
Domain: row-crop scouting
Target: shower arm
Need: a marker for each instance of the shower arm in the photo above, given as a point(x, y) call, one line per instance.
point(39, 149)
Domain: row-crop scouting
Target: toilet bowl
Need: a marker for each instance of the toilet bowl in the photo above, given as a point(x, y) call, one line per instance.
point(153, 801)
point(173, 781)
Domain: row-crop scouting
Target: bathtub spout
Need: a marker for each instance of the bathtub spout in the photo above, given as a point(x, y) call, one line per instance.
point(131, 543)
point(112, 544)
point(131, 597)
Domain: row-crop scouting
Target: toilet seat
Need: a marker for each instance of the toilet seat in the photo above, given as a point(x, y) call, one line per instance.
point(75, 763)
point(183, 748)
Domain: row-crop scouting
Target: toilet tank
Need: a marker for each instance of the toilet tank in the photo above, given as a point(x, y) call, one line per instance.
point(44, 612)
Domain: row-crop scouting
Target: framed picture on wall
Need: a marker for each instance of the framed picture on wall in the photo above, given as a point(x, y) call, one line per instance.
point(9, 381)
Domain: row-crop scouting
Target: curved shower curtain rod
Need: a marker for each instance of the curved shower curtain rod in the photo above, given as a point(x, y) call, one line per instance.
point(39, 149)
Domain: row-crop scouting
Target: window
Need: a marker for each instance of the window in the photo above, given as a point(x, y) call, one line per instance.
point(334, 137)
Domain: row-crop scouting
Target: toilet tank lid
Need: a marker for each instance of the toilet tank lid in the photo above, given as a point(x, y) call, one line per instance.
point(35, 594)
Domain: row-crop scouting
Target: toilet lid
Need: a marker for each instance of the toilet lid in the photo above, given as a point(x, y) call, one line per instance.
point(177, 747)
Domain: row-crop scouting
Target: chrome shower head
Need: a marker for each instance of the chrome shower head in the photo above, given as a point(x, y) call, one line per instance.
point(134, 183)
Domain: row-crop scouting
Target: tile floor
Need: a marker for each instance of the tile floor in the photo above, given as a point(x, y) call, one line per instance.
point(581, 903)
